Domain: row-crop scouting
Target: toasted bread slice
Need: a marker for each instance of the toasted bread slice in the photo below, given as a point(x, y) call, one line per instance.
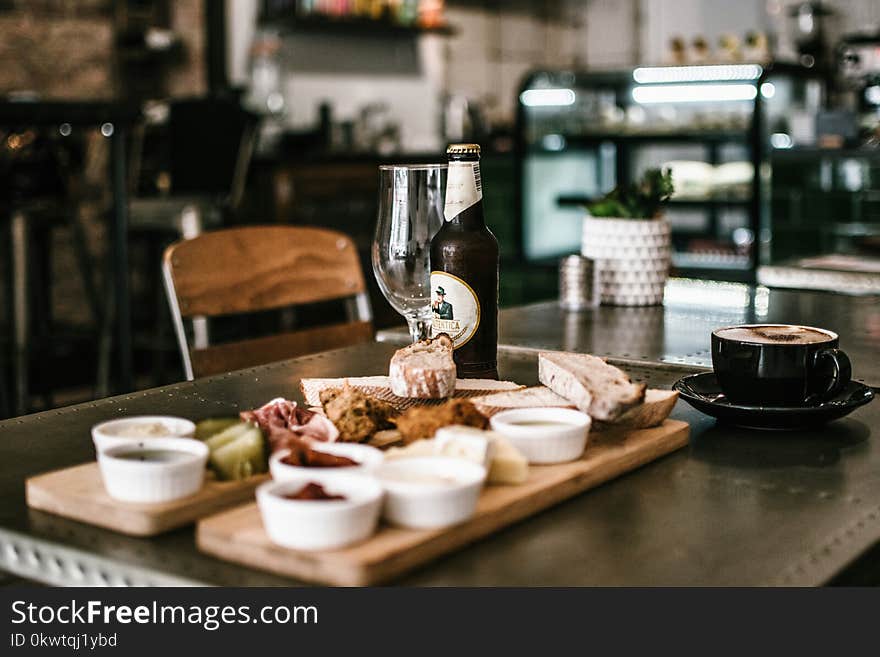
point(652, 412)
point(380, 388)
point(535, 397)
point(595, 387)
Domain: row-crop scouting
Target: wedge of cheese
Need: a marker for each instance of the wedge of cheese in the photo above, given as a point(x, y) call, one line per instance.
point(506, 464)
point(463, 442)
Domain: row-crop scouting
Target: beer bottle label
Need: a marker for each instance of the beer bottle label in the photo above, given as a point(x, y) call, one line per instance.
point(463, 188)
point(455, 306)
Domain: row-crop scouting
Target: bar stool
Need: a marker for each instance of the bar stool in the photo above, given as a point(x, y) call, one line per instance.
point(34, 188)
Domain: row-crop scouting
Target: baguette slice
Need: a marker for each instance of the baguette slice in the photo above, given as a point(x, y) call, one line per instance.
point(601, 390)
point(380, 388)
point(424, 370)
point(652, 412)
point(535, 397)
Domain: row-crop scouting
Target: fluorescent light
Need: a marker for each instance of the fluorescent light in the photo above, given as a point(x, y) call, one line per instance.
point(781, 140)
point(693, 93)
point(872, 95)
point(768, 90)
point(720, 72)
point(546, 97)
point(553, 142)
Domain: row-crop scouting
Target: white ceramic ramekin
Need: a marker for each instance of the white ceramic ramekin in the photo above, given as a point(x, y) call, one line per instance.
point(418, 505)
point(152, 482)
point(544, 444)
point(367, 457)
point(320, 524)
point(113, 432)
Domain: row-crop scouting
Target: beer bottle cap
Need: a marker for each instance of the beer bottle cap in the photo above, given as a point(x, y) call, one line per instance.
point(463, 149)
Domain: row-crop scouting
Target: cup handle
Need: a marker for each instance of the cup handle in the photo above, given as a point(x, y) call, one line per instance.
point(842, 370)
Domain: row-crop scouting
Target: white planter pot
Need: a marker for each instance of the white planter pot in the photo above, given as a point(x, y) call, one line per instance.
point(632, 258)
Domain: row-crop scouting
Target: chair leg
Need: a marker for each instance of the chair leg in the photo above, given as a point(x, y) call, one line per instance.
point(192, 225)
point(160, 321)
point(105, 336)
point(41, 327)
point(20, 311)
point(4, 392)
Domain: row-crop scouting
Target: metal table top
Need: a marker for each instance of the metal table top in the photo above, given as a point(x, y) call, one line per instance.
point(678, 331)
point(735, 507)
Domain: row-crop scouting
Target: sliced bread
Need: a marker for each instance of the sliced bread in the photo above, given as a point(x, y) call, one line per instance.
point(380, 388)
point(535, 397)
point(424, 370)
point(595, 387)
point(652, 412)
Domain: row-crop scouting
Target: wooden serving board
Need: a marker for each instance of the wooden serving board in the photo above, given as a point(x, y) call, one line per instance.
point(78, 493)
point(238, 536)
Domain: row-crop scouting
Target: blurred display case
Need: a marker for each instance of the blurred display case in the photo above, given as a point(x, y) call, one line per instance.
point(825, 220)
point(579, 134)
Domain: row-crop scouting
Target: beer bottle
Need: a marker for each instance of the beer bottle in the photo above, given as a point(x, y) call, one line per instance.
point(464, 269)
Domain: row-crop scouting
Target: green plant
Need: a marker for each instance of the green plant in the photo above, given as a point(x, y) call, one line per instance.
point(642, 200)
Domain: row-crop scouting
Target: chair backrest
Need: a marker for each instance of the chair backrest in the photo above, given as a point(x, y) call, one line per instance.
point(239, 270)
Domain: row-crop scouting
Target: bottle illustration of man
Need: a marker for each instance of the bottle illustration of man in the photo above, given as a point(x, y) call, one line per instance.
point(441, 307)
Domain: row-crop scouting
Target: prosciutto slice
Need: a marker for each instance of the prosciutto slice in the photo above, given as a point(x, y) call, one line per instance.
point(285, 423)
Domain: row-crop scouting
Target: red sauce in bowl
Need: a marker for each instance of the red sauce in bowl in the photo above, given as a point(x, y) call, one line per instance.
point(313, 491)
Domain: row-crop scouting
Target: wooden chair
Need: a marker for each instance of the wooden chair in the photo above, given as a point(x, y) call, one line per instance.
point(239, 270)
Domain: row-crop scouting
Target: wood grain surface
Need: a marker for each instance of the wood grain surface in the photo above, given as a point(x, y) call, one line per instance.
point(78, 493)
point(262, 267)
point(237, 535)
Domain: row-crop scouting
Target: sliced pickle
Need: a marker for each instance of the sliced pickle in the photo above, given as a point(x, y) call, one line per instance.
point(241, 458)
point(227, 436)
point(214, 425)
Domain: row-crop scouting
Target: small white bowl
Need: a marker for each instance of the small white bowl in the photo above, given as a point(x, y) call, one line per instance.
point(544, 444)
point(121, 431)
point(320, 524)
point(412, 500)
point(150, 482)
point(367, 457)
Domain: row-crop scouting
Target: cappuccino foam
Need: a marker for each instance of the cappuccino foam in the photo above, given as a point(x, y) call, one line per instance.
point(774, 334)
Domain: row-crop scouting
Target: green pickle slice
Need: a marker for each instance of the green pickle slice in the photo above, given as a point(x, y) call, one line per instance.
point(227, 436)
point(242, 457)
point(214, 425)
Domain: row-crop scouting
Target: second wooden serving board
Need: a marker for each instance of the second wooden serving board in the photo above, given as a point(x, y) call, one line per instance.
point(78, 493)
point(237, 535)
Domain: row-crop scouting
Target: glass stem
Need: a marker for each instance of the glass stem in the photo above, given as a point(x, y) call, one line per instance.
point(419, 328)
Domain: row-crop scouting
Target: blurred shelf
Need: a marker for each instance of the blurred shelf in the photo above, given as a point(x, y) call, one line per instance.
point(576, 200)
point(816, 152)
point(352, 26)
point(710, 261)
point(689, 137)
point(805, 278)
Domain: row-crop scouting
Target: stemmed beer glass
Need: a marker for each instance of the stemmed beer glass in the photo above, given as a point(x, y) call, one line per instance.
point(411, 200)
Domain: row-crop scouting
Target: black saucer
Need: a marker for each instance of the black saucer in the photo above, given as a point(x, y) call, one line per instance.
point(703, 393)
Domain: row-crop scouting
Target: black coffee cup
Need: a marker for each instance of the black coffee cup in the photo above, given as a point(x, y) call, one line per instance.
point(778, 364)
